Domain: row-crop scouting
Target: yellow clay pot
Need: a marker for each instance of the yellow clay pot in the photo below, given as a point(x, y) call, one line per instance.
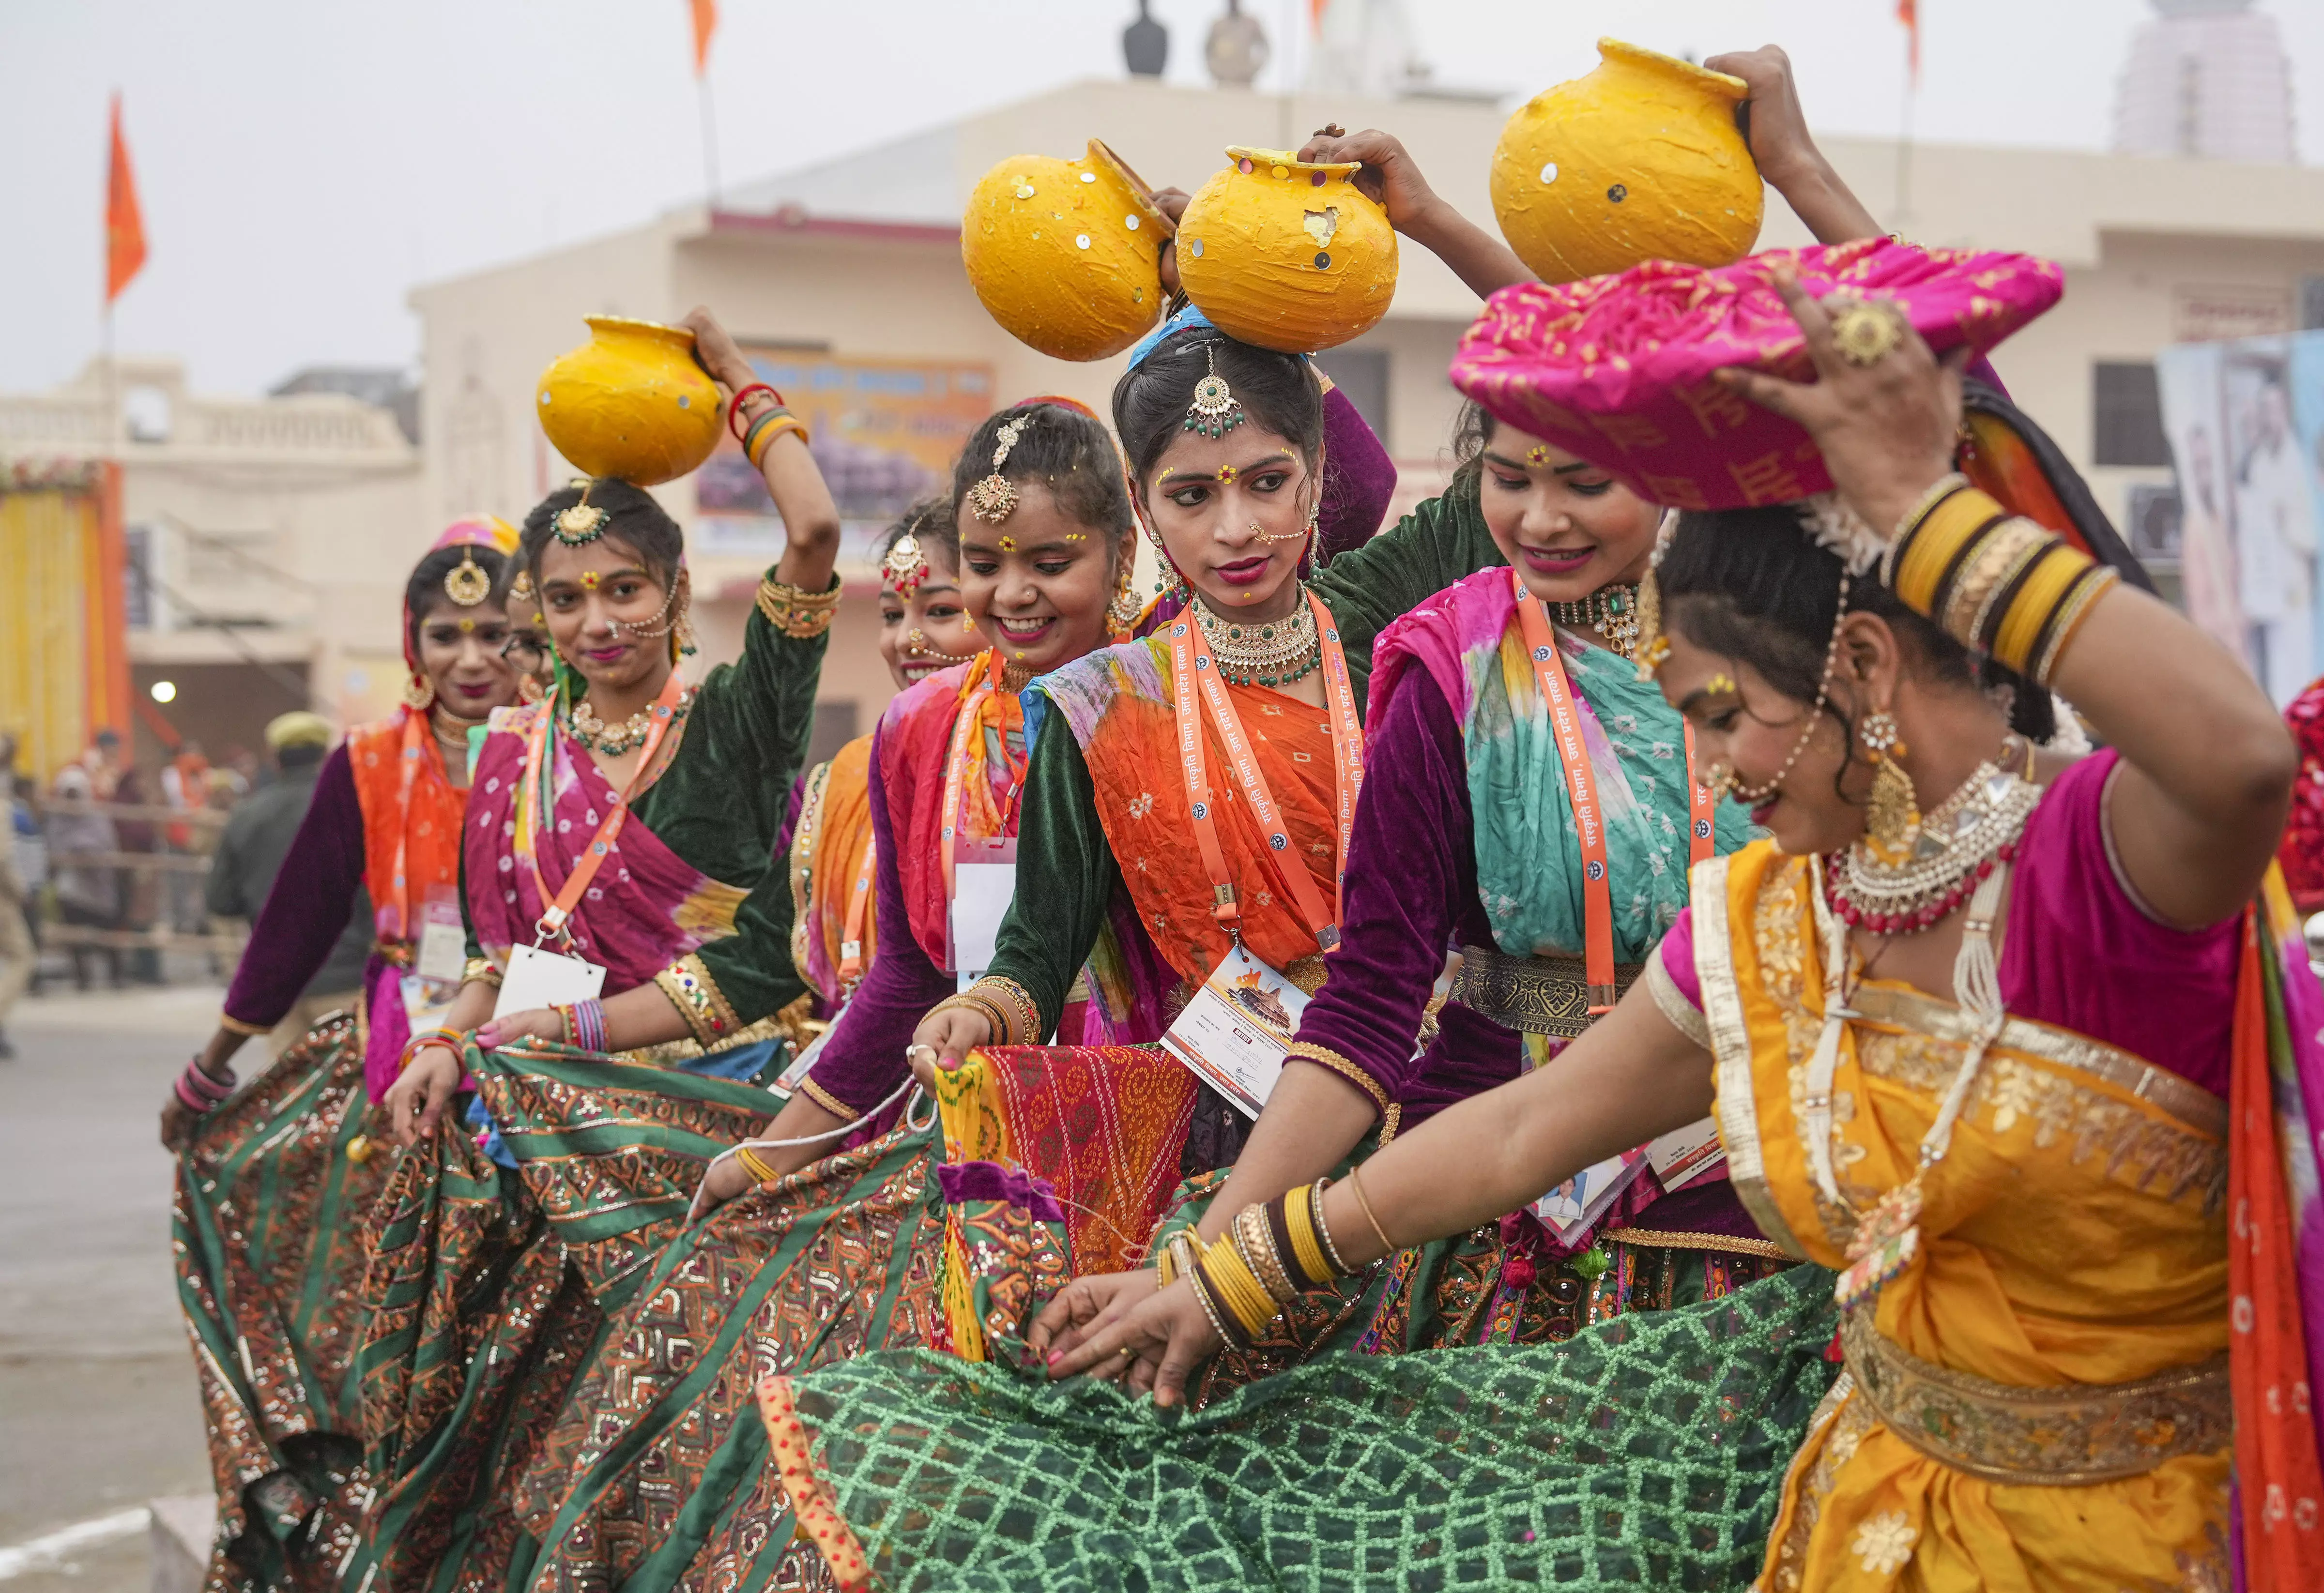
point(1640, 159)
point(1286, 254)
point(1066, 255)
point(631, 403)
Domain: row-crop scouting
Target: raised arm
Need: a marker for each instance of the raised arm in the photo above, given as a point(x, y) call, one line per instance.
point(1785, 152)
point(1391, 176)
point(2208, 765)
point(810, 518)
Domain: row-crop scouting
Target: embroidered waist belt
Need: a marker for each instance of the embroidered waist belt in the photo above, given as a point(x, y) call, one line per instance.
point(1533, 995)
point(2062, 1436)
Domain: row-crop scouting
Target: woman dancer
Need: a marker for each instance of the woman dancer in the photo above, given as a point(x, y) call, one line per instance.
point(1969, 1019)
point(626, 823)
point(274, 1184)
point(841, 1258)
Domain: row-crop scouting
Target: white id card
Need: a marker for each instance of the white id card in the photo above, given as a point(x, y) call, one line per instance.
point(443, 945)
point(1579, 1201)
point(1684, 1155)
point(1235, 1031)
point(984, 884)
point(536, 978)
point(789, 1081)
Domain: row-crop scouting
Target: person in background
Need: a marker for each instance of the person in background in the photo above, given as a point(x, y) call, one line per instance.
point(187, 782)
point(250, 854)
point(17, 953)
point(88, 895)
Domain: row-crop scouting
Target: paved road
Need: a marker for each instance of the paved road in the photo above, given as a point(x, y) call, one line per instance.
point(99, 1409)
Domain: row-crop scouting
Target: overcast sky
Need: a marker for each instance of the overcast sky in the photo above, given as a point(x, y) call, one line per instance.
point(302, 164)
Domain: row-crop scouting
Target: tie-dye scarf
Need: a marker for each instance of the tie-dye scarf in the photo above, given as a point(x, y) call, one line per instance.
point(1528, 865)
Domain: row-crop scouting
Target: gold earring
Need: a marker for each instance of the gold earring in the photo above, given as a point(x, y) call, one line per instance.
point(418, 693)
point(1892, 821)
point(1122, 613)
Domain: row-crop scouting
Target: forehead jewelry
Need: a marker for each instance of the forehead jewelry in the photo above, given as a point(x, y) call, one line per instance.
point(1722, 682)
point(1538, 454)
point(905, 567)
point(993, 499)
point(521, 587)
point(1215, 411)
point(468, 624)
point(583, 522)
point(466, 583)
point(589, 579)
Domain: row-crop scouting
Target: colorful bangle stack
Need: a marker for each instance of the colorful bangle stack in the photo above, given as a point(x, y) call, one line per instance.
point(585, 1023)
point(1179, 1254)
point(751, 1163)
point(1007, 1008)
point(1994, 582)
point(769, 425)
point(799, 615)
point(740, 401)
point(426, 1038)
point(198, 1093)
point(1269, 1254)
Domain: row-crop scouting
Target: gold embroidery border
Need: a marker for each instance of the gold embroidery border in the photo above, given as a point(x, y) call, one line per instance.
point(689, 988)
point(1350, 1071)
point(1672, 1239)
point(802, 840)
point(828, 1101)
point(2068, 1435)
point(1738, 1109)
point(2195, 1108)
point(1532, 995)
point(1672, 1002)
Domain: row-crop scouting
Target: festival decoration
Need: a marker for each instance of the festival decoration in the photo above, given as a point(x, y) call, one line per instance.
point(1066, 255)
point(1640, 159)
point(1285, 253)
point(631, 403)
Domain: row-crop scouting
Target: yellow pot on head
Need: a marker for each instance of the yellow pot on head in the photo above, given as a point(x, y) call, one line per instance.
point(1066, 255)
point(631, 403)
point(1287, 253)
point(1641, 160)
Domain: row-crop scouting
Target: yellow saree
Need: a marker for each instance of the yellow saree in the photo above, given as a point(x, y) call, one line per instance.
point(2041, 1403)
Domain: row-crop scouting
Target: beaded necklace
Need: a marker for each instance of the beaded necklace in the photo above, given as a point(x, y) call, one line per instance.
point(1275, 652)
point(1612, 611)
point(1970, 834)
point(582, 724)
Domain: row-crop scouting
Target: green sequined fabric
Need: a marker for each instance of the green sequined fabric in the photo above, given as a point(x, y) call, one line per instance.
point(1647, 1451)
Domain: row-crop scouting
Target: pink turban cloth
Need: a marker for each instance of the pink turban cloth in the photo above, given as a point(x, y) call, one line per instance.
point(1617, 370)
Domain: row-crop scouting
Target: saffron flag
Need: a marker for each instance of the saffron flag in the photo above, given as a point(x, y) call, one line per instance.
point(1908, 12)
point(124, 226)
point(705, 23)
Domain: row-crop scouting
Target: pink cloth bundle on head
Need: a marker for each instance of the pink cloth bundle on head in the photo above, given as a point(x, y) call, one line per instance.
point(1618, 369)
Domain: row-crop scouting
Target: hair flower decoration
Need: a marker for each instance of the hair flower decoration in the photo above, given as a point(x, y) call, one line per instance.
point(1839, 528)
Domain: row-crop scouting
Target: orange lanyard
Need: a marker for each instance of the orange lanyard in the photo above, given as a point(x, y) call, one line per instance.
point(560, 911)
point(1194, 669)
point(1589, 820)
point(850, 950)
point(416, 729)
point(966, 750)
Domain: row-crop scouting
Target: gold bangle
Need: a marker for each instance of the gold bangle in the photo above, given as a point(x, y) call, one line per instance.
point(2096, 582)
point(1371, 1217)
point(1985, 575)
point(759, 1171)
point(1323, 1233)
point(1026, 1012)
point(1219, 1319)
point(800, 615)
point(248, 1031)
point(1236, 1287)
point(2040, 593)
point(1177, 1258)
point(1936, 542)
point(689, 988)
point(1307, 1246)
point(480, 970)
point(1256, 1245)
point(1902, 532)
point(996, 1021)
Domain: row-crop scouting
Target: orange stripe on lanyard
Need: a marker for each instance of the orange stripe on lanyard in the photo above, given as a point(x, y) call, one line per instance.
point(560, 911)
point(1582, 786)
point(966, 750)
point(1193, 670)
point(850, 950)
point(415, 726)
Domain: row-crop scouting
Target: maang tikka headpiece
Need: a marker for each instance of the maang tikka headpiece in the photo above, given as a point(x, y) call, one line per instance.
point(993, 499)
point(583, 522)
point(465, 583)
point(1215, 411)
point(906, 566)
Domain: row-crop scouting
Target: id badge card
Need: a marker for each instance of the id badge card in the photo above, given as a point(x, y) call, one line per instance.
point(443, 940)
point(789, 1079)
point(1235, 1031)
point(1684, 1155)
point(984, 884)
point(537, 977)
point(1570, 1209)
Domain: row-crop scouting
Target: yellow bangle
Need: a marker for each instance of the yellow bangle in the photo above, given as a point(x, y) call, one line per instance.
point(759, 1171)
point(1299, 1217)
point(1255, 1243)
point(766, 428)
point(1935, 545)
point(1236, 1287)
point(2094, 585)
point(2039, 594)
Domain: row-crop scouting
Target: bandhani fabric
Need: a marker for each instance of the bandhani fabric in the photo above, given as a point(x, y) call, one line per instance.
point(1101, 1126)
point(267, 1230)
point(2275, 1263)
point(2302, 850)
point(646, 908)
point(1118, 702)
point(488, 1292)
point(915, 735)
point(421, 832)
point(1643, 1452)
point(1528, 868)
point(830, 845)
point(1618, 369)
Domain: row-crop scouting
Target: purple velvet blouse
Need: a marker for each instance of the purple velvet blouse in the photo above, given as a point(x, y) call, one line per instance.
point(309, 908)
point(1411, 890)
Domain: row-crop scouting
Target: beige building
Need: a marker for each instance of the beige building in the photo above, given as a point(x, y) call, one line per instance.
point(267, 543)
point(852, 271)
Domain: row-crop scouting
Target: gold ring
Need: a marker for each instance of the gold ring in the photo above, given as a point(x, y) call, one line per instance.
point(1126, 1349)
point(1865, 333)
